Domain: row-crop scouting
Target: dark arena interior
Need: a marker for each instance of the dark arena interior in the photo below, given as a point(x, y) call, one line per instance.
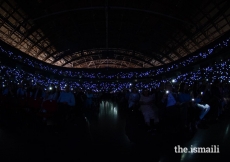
point(114, 80)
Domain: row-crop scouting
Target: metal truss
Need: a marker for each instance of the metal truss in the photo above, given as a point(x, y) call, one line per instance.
point(133, 57)
point(180, 36)
point(87, 62)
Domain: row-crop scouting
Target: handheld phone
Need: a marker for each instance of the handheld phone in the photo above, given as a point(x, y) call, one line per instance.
point(167, 92)
point(193, 99)
point(201, 93)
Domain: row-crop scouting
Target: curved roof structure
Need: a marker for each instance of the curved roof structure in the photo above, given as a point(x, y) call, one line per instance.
point(112, 33)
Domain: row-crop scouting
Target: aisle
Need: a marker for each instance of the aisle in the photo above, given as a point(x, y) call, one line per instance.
point(107, 128)
point(118, 135)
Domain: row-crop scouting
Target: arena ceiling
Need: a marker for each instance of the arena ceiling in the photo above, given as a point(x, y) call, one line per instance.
point(112, 33)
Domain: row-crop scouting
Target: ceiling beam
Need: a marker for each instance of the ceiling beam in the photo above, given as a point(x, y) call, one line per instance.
point(115, 53)
point(113, 8)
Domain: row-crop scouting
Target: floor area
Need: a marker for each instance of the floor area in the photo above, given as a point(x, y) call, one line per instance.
point(105, 134)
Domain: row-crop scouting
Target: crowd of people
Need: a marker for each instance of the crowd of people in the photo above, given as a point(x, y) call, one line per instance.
point(179, 108)
point(185, 102)
point(35, 102)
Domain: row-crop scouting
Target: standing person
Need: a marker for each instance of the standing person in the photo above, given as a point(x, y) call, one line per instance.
point(66, 102)
point(89, 99)
point(21, 92)
point(187, 111)
point(133, 111)
point(21, 96)
point(171, 111)
point(148, 109)
point(133, 101)
point(80, 100)
point(216, 100)
point(126, 97)
point(202, 106)
point(159, 93)
point(38, 92)
point(66, 98)
point(51, 94)
point(30, 90)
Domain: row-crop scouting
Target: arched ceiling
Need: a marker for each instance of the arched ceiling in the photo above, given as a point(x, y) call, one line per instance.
point(112, 33)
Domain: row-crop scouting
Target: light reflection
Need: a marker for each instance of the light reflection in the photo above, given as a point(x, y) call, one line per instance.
point(185, 156)
point(108, 110)
point(227, 131)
